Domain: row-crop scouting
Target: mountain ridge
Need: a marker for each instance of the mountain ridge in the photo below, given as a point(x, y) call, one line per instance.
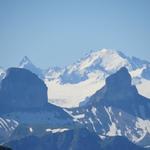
point(101, 114)
point(73, 84)
point(24, 101)
point(90, 73)
point(116, 109)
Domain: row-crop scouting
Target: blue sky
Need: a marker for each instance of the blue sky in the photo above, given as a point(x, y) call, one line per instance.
point(59, 32)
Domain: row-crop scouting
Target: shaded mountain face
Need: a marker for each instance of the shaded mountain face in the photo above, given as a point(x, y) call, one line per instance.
point(119, 143)
point(24, 107)
point(21, 89)
point(120, 93)
point(116, 109)
point(77, 139)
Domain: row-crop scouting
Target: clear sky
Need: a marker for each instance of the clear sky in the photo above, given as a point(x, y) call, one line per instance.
point(59, 32)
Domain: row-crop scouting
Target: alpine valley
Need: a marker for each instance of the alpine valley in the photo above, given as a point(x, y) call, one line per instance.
point(101, 102)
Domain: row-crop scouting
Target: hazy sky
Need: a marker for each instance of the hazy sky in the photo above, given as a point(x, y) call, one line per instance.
point(59, 32)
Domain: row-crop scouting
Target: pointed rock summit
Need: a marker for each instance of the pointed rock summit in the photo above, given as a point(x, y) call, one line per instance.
point(25, 61)
point(27, 64)
point(121, 79)
point(119, 85)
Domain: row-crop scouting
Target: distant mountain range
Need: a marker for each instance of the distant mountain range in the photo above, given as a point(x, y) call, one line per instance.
point(27, 118)
point(69, 86)
point(104, 108)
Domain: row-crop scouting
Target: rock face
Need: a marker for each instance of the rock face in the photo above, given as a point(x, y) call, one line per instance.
point(120, 93)
point(118, 87)
point(24, 102)
point(21, 89)
point(119, 82)
point(116, 109)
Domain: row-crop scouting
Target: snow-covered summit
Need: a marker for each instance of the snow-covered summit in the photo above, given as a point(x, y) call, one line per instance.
point(27, 64)
point(108, 60)
point(75, 83)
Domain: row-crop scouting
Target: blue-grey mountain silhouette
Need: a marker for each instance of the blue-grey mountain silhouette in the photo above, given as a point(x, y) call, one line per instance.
point(116, 109)
point(23, 101)
point(21, 89)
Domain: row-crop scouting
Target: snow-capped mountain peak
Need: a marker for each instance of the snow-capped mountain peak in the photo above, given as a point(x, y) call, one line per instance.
point(78, 81)
point(25, 61)
point(106, 60)
point(109, 60)
point(27, 64)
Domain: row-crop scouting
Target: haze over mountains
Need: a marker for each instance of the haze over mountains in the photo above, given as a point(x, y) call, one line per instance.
point(31, 122)
point(99, 104)
point(70, 86)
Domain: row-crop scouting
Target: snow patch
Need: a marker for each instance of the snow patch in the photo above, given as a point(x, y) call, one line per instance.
point(31, 129)
point(56, 130)
point(94, 111)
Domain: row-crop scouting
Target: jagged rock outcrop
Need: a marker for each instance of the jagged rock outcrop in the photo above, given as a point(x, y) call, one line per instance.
point(117, 109)
point(120, 93)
